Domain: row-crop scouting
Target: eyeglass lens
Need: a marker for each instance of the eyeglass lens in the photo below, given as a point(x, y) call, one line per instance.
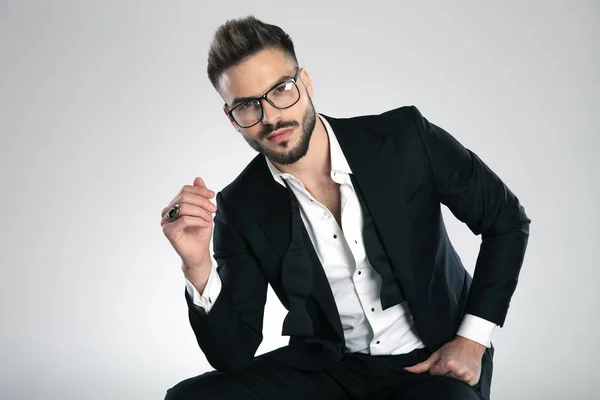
point(282, 96)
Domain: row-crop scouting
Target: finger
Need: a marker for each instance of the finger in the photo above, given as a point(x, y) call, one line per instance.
point(467, 375)
point(474, 380)
point(189, 210)
point(196, 200)
point(192, 199)
point(424, 366)
point(193, 210)
point(463, 376)
point(443, 367)
point(199, 181)
point(183, 223)
point(449, 374)
point(199, 190)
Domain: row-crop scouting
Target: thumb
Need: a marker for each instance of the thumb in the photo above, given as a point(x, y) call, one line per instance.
point(424, 366)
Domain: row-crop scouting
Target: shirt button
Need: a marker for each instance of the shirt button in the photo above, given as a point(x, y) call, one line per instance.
point(359, 272)
point(378, 342)
point(210, 300)
point(334, 236)
point(355, 242)
point(372, 309)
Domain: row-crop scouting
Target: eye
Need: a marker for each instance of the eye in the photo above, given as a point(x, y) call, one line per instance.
point(248, 104)
point(284, 87)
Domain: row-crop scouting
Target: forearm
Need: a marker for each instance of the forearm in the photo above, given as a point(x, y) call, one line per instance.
point(496, 273)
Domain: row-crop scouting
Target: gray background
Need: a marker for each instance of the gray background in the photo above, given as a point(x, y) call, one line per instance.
point(106, 111)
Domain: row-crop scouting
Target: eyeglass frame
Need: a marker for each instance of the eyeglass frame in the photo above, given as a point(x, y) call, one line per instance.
point(294, 79)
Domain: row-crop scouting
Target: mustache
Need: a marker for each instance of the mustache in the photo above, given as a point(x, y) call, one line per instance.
point(279, 125)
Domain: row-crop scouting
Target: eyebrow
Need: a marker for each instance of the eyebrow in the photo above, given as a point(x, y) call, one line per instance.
point(239, 100)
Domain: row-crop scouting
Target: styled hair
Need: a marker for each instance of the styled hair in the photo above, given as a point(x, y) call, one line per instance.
point(237, 39)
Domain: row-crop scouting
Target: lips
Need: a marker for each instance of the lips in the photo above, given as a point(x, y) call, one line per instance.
point(280, 135)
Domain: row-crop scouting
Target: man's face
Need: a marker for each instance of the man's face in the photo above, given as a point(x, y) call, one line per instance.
point(282, 135)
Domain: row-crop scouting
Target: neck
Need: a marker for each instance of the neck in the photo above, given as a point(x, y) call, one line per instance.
point(316, 164)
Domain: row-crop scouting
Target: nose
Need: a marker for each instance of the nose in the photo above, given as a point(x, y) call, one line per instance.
point(270, 114)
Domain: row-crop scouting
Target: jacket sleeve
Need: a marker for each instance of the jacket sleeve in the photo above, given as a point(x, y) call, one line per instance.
point(231, 332)
point(477, 197)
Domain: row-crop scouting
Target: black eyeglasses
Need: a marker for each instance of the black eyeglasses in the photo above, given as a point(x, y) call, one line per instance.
point(281, 96)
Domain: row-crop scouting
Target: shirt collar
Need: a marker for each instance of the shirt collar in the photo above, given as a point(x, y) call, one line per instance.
point(338, 160)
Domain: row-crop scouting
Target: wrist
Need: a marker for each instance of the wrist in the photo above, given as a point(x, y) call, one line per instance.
point(197, 274)
point(475, 346)
point(193, 266)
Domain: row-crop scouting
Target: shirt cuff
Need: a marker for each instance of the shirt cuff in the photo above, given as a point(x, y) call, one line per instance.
point(211, 290)
point(477, 329)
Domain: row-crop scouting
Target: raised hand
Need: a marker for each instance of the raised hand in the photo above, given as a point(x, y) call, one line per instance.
point(191, 231)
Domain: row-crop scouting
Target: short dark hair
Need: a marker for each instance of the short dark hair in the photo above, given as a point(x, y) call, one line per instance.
point(238, 39)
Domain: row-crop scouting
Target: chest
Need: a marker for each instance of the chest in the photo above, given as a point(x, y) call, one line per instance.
point(329, 196)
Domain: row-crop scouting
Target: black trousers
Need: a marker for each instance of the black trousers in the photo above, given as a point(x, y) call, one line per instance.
point(358, 376)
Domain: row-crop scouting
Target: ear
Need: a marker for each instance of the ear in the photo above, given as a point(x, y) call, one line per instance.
point(306, 81)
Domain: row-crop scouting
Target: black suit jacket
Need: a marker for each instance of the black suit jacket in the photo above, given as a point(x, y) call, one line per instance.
point(406, 168)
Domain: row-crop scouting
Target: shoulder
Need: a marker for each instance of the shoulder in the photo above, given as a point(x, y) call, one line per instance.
point(397, 120)
point(402, 125)
point(242, 184)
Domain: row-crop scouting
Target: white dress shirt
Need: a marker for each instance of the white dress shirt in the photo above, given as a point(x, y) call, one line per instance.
point(355, 284)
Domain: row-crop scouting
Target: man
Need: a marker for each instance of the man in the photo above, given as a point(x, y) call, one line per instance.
point(342, 218)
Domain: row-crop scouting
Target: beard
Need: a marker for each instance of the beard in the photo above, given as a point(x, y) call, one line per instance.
point(288, 155)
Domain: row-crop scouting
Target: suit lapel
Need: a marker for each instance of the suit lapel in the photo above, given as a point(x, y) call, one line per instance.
point(379, 171)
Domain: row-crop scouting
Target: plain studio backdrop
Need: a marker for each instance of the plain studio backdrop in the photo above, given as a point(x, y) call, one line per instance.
point(106, 112)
